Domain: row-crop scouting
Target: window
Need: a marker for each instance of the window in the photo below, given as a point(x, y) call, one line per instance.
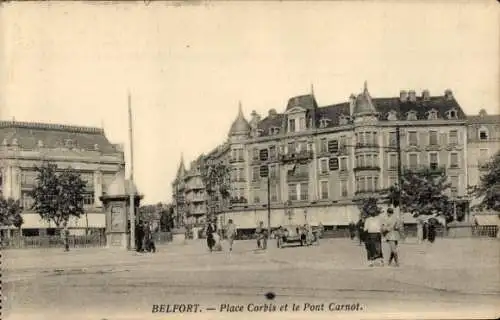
point(343, 164)
point(255, 173)
point(323, 146)
point(393, 161)
point(264, 155)
point(323, 166)
point(392, 116)
point(256, 197)
point(432, 115)
point(88, 199)
point(301, 146)
point(453, 137)
point(433, 138)
point(272, 152)
point(413, 160)
point(433, 160)
point(412, 138)
point(255, 154)
point(343, 189)
point(291, 125)
point(323, 123)
point(26, 201)
point(452, 114)
point(333, 146)
point(483, 134)
point(28, 178)
point(454, 185)
point(291, 147)
point(273, 193)
point(412, 115)
point(304, 191)
point(324, 190)
point(453, 160)
point(302, 123)
point(392, 180)
point(273, 171)
point(292, 192)
point(393, 139)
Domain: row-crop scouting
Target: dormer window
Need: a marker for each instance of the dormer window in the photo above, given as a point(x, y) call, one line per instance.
point(291, 125)
point(14, 142)
point(40, 143)
point(343, 119)
point(432, 115)
point(392, 116)
point(259, 132)
point(411, 115)
point(96, 147)
point(483, 134)
point(274, 131)
point(323, 122)
point(452, 114)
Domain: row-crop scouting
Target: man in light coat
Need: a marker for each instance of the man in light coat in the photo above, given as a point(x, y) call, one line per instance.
point(391, 229)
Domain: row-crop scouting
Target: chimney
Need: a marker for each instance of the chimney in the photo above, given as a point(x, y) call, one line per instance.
point(448, 94)
point(403, 95)
point(272, 113)
point(412, 95)
point(482, 113)
point(352, 102)
point(255, 117)
point(426, 95)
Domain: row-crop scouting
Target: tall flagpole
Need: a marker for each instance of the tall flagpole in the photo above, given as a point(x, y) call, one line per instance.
point(131, 188)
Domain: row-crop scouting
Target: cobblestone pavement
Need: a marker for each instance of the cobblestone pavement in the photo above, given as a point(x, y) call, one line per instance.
point(452, 275)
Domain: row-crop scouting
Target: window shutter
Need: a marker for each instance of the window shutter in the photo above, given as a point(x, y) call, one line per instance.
point(333, 146)
point(423, 138)
point(333, 164)
point(443, 139)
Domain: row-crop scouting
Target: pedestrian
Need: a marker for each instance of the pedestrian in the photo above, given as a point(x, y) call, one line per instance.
point(360, 230)
point(392, 228)
point(139, 234)
point(373, 240)
point(261, 233)
point(210, 231)
point(352, 230)
point(65, 235)
point(231, 233)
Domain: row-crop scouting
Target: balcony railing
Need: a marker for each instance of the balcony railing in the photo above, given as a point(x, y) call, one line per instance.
point(298, 176)
point(432, 168)
point(366, 168)
point(293, 156)
point(238, 200)
point(235, 160)
point(483, 165)
point(366, 145)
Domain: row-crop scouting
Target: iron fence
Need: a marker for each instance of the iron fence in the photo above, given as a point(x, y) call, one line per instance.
point(23, 242)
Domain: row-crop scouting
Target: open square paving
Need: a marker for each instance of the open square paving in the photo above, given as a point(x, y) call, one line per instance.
point(457, 277)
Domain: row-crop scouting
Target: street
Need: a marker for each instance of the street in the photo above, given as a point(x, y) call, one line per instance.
point(452, 277)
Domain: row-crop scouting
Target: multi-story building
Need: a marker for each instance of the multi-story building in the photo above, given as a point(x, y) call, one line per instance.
point(178, 195)
point(26, 145)
point(483, 143)
point(322, 159)
point(194, 194)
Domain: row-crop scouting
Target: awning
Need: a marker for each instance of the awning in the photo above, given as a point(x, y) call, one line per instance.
point(486, 219)
point(34, 221)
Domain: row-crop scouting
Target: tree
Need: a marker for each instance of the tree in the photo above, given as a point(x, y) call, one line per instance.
point(216, 177)
point(58, 195)
point(370, 208)
point(489, 186)
point(422, 192)
point(10, 213)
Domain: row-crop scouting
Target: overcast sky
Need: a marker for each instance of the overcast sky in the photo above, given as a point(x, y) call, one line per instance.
point(188, 66)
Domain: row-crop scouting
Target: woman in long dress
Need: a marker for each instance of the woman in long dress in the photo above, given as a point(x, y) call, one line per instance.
point(211, 229)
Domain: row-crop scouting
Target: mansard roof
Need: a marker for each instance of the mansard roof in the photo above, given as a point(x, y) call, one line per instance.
point(32, 135)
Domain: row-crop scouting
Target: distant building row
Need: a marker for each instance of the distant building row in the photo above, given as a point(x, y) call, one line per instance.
point(322, 158)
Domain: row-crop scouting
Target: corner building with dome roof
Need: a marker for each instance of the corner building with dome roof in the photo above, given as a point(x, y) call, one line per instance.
point(322, 160)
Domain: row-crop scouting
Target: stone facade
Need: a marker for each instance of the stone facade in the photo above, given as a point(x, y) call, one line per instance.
point(87, 150)
point(321, 160)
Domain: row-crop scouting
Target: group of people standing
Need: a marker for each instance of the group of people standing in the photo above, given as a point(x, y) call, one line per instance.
point(374, 229)
point(214, 235)
point(144, 241)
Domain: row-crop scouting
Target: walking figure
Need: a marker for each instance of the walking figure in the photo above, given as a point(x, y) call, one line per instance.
point(392, 228)
point(261, 233)
point(373, 240)
point(231, 232)
point(210, 231)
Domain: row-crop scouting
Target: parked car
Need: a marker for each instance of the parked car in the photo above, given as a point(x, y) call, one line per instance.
point(291, 234)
